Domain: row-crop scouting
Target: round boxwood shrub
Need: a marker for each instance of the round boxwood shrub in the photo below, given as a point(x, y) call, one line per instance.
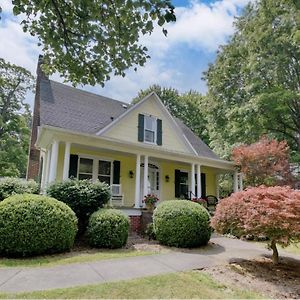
point(181, 223)
point(83, 196)
point(108, 228)
point(10, 186)
point(35, 224)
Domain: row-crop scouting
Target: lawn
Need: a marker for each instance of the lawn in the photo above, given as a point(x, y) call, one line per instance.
point(193, 284)
point(293, 248)
point(71, 257)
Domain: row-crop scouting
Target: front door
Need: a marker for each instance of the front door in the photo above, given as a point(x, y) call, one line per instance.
point(153, 180)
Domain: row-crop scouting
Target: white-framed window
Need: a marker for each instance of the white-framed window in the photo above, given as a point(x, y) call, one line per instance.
point(95, 168)
point(150, 129)
point(104, 171)
point(85, 169)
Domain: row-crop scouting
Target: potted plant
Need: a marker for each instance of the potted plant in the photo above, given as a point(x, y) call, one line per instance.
point(150, 200)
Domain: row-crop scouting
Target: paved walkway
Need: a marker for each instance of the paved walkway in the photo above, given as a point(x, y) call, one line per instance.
point(221, 251)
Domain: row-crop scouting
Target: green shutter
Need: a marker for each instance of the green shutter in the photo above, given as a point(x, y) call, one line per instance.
point(73, 166)
point(159, 132)
point(141, 128)
point(177, 183)
point(203, 185)
point(116, 174)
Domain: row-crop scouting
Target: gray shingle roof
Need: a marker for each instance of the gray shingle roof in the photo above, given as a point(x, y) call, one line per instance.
point(67, 107)
point(70, 108)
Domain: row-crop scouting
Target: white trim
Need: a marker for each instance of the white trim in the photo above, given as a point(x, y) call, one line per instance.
point(145, 181)
point(43, 177)
point(66, 161)
point(53, 162)
point(95, 171)
point(137, 200)
point(199, 187)
point(48, 154)
point(155, 130)
point(193, 180)
point(114, 144)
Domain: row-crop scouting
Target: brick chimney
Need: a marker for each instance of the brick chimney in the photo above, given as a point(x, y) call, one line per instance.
point(33, 167)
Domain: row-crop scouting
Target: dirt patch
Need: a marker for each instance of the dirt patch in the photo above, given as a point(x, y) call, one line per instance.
point(281, 281)
point(140, 243)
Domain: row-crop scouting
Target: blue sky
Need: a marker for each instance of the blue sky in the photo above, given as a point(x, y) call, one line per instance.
point(177, 61)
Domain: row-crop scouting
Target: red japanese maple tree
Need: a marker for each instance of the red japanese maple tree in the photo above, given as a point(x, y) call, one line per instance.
point(265, 162)
point(273, 212)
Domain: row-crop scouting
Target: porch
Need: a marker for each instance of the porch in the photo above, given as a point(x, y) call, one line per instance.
point(133, 173)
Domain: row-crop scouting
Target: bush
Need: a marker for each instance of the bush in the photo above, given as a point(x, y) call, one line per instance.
point(181, 223)
point(35, 224)
point(108, 228)
point(83, 196)
point(272, 212)
point(10, 186)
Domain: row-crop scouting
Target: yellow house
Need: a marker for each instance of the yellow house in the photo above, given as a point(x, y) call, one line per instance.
point(136, 149)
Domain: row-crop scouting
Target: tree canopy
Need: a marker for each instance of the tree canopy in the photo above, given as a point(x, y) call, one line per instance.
point(186, 107)
point(264, 162)
point(15, 119)
point(254, 85)
point(87, 41)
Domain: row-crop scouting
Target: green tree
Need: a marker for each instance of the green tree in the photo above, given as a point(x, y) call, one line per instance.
point(86, 41)
point(254, 83)
point(14, 119)
point(187, 107)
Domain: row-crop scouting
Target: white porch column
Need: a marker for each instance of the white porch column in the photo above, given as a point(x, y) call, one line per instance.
point(199, 188)
point(235, 182)
point(240, 181)
point(193, 180)
point(43, 178)
point(137, 202)
point(53, 162)
point(145, 175)
point(67, 161)
point(217, 186)
point(48, 159)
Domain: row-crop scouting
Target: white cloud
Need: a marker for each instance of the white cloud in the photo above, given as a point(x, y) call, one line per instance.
point(200, 27)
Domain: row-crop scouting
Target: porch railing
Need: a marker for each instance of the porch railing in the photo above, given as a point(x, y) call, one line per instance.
point(116, 195)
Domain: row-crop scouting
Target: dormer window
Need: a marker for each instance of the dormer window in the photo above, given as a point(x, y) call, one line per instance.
point(149, 129)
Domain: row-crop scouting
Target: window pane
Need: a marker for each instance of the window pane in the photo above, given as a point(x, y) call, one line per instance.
point(150, 123)
point(85, 176)
point(149, 136)
point(104, 167)
point(105, 179)
point(86, 165)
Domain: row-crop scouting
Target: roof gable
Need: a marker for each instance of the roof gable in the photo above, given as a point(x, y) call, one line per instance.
point(125, 127)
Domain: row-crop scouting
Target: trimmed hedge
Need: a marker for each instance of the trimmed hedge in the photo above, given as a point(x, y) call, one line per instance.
point(35, 224)
point(11, 185)
point(181, 223)
point(108, 228)
point(83, 196)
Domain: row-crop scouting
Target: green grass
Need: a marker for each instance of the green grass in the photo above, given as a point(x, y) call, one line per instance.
point(69, 258)
point(293, 248)
point(193, 284)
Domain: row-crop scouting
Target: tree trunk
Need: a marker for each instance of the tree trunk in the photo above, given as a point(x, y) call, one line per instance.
point(275, 252)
